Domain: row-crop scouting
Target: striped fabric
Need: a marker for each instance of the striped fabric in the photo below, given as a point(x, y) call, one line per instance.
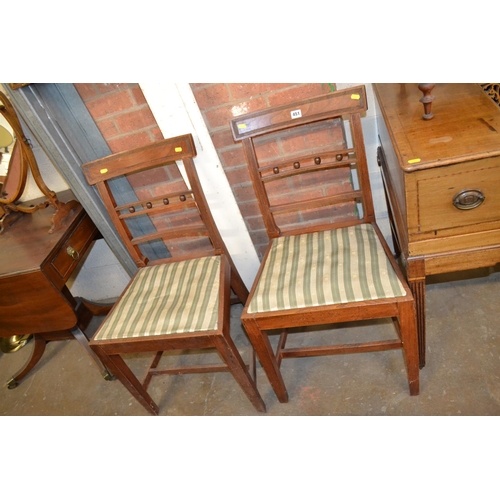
point(169, 298)
point(328, 267)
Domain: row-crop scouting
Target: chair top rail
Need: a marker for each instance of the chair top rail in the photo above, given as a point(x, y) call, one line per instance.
point(152, 155)
point(348, 101)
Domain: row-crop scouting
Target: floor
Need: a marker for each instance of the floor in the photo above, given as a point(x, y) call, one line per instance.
point(462, 375)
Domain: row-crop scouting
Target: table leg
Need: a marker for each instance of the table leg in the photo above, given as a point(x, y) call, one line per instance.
point(39, 348)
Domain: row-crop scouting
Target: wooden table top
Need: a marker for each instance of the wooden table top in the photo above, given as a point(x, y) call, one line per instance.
point(466, 124)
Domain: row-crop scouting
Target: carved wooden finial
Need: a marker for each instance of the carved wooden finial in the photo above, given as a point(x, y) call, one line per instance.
point(426, 99)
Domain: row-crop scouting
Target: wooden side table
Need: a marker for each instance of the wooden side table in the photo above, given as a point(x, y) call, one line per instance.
point(442, 181)
point(34, 268)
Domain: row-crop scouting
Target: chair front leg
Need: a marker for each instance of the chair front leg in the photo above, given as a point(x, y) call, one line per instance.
point(264, 350)
point(409, 337)
point(125, 375)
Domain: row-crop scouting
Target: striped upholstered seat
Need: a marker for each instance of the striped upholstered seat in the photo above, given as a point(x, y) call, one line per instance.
point(323, 268)
point(168, 298)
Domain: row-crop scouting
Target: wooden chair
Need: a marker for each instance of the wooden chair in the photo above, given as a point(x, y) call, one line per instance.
point(178, 300)
point(327, 261)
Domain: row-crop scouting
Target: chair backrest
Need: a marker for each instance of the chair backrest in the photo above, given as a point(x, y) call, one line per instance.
point(175, 212)
point(302, 163)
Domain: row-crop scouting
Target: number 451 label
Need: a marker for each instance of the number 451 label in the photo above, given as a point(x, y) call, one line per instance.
point(297, 113)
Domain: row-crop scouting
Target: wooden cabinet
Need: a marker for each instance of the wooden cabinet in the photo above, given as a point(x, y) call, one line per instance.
point(442, 181)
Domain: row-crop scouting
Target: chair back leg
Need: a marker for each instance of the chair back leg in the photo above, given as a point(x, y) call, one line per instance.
point(227, 349)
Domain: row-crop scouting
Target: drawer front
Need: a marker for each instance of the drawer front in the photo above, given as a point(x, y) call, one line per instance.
point(457, 197)
point(73, 248)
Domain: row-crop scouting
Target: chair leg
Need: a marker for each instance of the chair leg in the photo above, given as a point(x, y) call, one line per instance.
point(125, 375)
point(227, 349)
point(409, 337)
point(82, 340)
point(267, 358)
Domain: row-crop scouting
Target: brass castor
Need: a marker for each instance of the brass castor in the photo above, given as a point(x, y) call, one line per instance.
point(12, 384)
point(107, 376)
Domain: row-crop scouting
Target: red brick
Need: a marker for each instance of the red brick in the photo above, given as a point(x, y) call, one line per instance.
point(211, 96)
point(247, 106)
point(109, 104)
point(105, 88)
point(138, 95)
point(298, 93)
point(237, 175)
point(233, 157)
point(86, 90)
point(135, 120)
point(131, 141)
point(245, 90)
point(268, 150)
point(288, 220)
point(156, 134)
point(244, 193)
point(221, 116)
point(218, 117)
point(250, 209)
point(223, 138)
point(149, 178)
point(108, 128)
point(178, 248)
point(255, 223)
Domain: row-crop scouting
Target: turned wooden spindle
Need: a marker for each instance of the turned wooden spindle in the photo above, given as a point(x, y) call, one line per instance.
point(426, 99)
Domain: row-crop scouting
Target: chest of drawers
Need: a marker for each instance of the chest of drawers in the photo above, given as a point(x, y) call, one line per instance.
point(442, 181)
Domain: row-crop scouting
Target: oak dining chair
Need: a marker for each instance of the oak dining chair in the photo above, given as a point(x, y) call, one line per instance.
point(179, 300)
point(327, 261)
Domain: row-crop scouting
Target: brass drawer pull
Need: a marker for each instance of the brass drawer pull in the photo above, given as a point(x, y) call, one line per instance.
point(468, 199)
point(73, 253)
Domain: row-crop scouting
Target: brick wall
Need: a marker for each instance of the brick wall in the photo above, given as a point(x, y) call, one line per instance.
point(219, 103)
point(121, 113)
point(125, 120)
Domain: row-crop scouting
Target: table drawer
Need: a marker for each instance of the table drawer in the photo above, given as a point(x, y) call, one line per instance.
point(73, 248)
point(456, 196)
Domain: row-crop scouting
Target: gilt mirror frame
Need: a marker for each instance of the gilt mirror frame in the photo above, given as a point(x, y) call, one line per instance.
point(23, 159)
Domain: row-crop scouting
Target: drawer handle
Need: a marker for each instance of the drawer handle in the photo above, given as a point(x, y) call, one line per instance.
point(468, 199)
point(73, 253)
